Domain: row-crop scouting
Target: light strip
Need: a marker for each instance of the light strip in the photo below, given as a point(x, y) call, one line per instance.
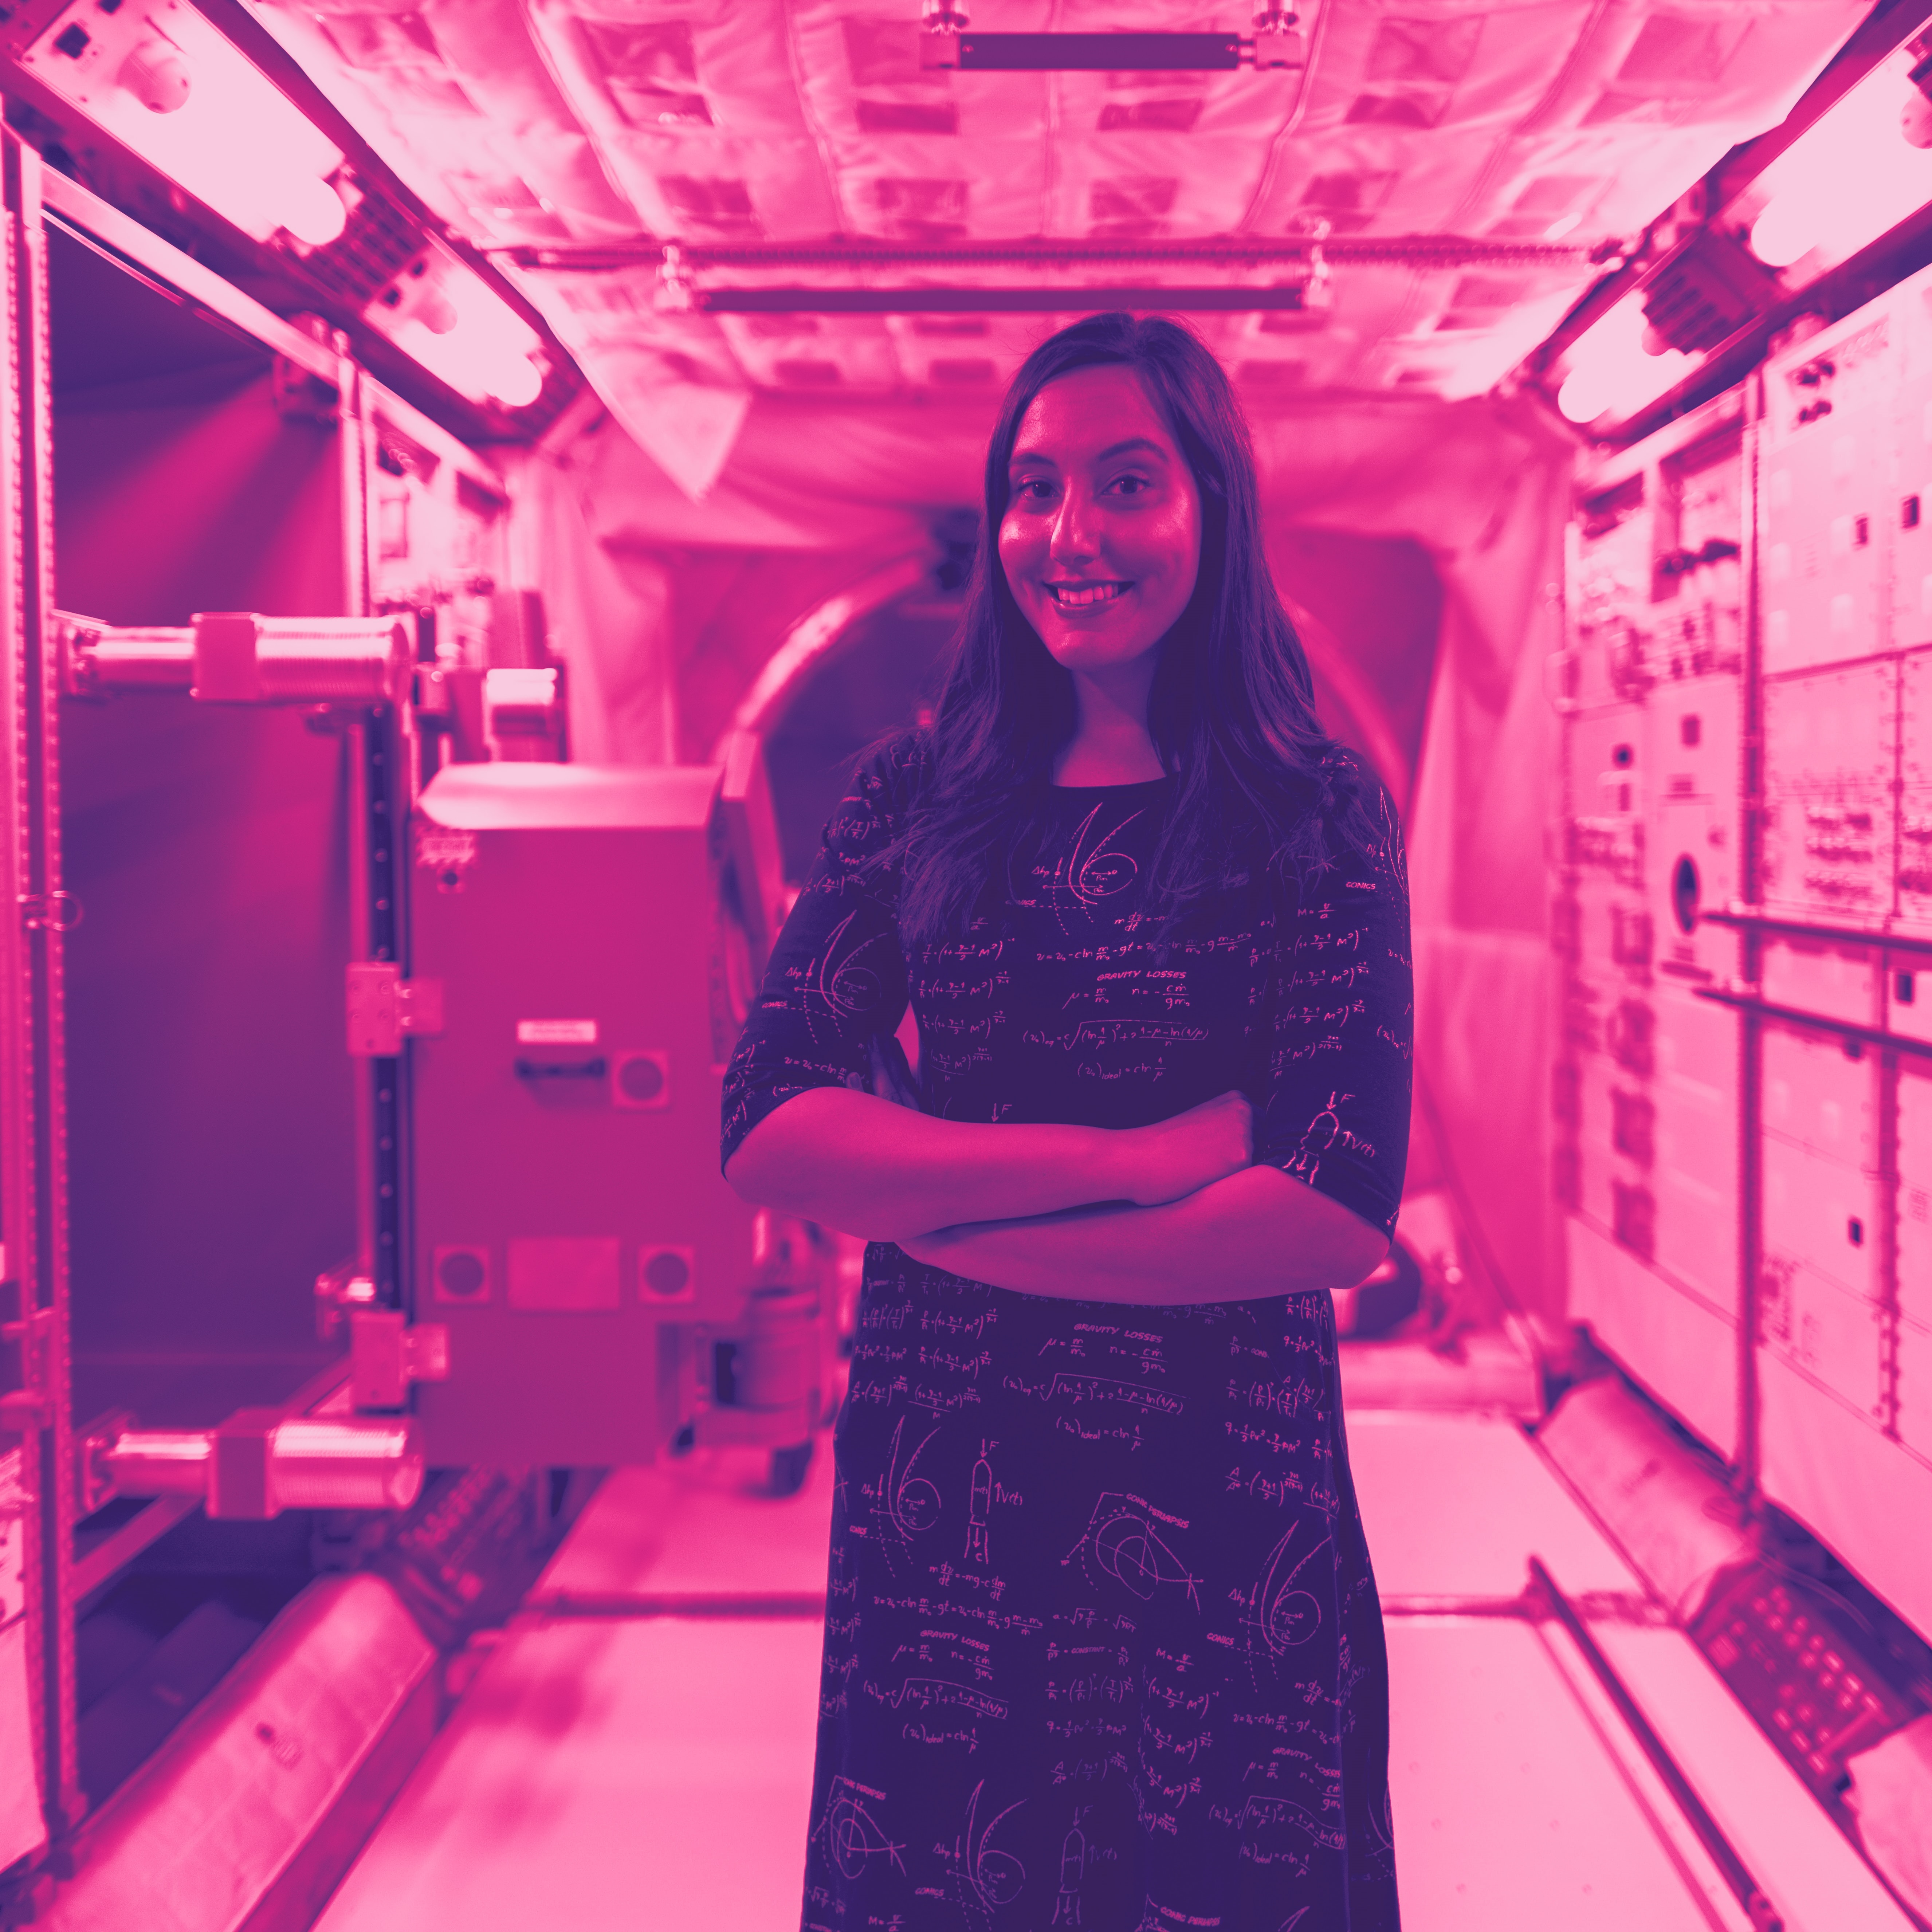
point(163, 82)
point(1612, 371)
point(1849, 178)
point(1144, 298)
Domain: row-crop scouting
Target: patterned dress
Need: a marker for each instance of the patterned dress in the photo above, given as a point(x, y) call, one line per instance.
point(1102, 1646)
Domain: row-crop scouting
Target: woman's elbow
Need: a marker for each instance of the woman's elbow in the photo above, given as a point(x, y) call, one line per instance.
point(1360, 1251)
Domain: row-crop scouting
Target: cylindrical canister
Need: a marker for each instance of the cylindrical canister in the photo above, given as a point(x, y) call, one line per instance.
point(778, 1359)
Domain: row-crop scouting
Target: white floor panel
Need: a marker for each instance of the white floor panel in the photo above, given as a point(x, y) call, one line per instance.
point(642, 1771)
point(1509, 1815)
point(637, 1774)
point(1455, 1505)
point(697, 1532)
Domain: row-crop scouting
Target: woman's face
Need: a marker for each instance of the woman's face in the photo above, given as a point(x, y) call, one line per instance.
point(1101, 540)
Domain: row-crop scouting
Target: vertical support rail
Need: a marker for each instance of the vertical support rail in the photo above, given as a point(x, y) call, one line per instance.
point(33, 1176)
point(1751, 1027)
point(375, 745)
point(355, 809)
point(381, 830)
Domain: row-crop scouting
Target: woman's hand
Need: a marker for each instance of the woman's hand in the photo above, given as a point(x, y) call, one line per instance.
point(1177, 1157)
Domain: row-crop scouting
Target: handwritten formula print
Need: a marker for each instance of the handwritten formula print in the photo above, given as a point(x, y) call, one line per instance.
point(1102, 1646)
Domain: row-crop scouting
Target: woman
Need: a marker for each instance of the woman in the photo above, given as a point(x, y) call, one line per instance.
point(1103, 1648)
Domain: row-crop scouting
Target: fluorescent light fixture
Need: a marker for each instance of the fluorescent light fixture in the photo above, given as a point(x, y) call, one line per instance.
point(1612, 369)
point(440, 312)
point(1852, 174)
point(162, 81)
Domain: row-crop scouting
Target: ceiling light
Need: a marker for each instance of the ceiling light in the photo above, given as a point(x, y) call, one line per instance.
point(1613, 371)
point(947, 40)
point(1852, 175)
point(440, 312)
point(163, 82)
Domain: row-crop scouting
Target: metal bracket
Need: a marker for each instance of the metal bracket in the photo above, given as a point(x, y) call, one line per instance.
point(94, 1481)
point(51, 912)
point(299, 395)
point(340, 1291)
point(386, 1355)
point(384, 1009)
point(27, 1407)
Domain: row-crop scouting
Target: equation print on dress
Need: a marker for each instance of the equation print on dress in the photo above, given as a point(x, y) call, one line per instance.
point(1103, 1647)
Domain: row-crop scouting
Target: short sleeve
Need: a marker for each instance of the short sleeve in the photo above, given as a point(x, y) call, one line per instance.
point(1340, 1059)
point(837, 976)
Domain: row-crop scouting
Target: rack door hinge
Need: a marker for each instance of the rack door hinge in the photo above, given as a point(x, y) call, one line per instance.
point(384, 1009)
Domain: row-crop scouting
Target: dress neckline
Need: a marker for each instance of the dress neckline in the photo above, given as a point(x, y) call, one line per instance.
point(1131, 784)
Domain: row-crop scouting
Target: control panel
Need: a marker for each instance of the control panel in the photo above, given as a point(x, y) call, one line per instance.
point(1651, 841)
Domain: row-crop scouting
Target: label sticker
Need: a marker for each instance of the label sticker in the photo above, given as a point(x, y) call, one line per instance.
point(556, 1033)
point(449, 855)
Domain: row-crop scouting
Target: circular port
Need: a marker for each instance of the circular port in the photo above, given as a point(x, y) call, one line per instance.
point(460, 1274)
point(640, 1078)
point(1684, 887)
point(666, 1274)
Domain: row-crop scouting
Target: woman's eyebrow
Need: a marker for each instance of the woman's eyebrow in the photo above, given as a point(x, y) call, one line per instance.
point(1020, 456)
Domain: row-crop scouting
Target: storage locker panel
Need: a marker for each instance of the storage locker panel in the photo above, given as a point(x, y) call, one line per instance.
point(1821, 1094)
point(1909, 504)
point(1915, 1194)
point(1819, 975)
point(1617, 1161)
point(1696, 1179)
point(1855, 1489)
point(1657, 1160)
point(1684, 1352)
point(1840, 1341)
point(1830, 740)
point(1914, 786)
point(1827, 459)
point(1822, 1215)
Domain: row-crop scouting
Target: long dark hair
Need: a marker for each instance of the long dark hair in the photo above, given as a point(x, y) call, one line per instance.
point(1231, 711)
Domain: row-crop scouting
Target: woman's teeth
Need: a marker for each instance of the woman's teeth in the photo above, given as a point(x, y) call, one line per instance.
point(1081, 596)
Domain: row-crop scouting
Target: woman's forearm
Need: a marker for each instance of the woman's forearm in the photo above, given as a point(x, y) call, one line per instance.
point(1255, 1233)
point(868, 1167)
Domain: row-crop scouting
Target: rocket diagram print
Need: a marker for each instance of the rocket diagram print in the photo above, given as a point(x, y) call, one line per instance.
point(1103, 1647)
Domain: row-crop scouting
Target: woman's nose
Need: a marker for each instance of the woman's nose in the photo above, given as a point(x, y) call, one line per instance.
point(1073, 534)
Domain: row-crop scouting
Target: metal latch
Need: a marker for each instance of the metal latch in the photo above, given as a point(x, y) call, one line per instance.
point(385, 1355)
point(384, 1007)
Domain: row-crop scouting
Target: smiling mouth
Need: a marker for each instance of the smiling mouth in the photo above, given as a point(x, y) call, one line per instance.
point(1084, 596)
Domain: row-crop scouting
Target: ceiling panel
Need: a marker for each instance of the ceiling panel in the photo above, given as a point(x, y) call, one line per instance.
point(557, 124)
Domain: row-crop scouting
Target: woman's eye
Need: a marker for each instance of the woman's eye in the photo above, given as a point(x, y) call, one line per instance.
point(1130, 486)
point(1035, 489)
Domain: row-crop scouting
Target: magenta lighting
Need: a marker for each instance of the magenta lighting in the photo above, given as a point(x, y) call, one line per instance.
point(448, 319)
point(1618, 365)
point(164, 83)
point(1857, 171)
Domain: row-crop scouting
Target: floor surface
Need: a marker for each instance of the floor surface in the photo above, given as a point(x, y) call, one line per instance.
point(637, 1752)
